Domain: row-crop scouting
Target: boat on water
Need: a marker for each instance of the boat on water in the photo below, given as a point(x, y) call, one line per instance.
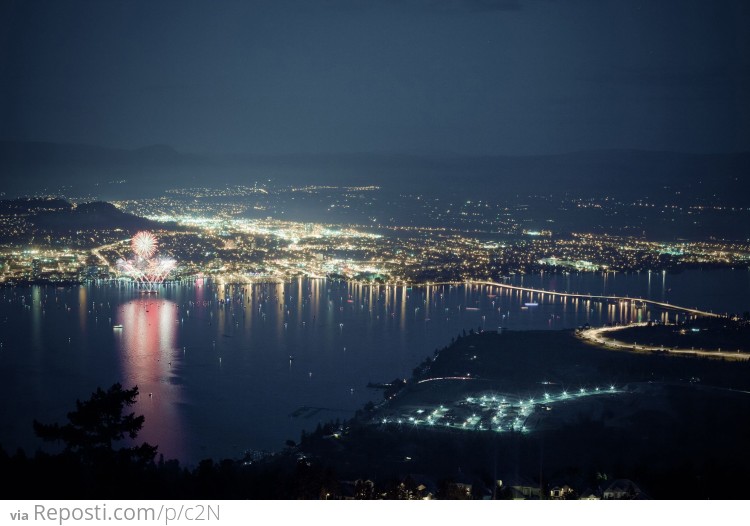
point(117, 326)
point(472, 308)
point(531, 304)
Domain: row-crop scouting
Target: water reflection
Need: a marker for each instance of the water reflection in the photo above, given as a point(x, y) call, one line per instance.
point(82, 308)
point(230, 346)
point(149, 359)
point(36, 318)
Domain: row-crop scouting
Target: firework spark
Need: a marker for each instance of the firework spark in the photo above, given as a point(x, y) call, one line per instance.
point(144, 244)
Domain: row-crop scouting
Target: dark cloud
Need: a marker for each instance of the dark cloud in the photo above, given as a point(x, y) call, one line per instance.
point(705, 76)
point(444, 6)
point(470, 5)
point(469, 76)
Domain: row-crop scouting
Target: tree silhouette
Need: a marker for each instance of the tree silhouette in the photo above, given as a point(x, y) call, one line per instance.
point(97, 424)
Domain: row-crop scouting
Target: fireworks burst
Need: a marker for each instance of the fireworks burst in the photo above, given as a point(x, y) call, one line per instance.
point(145, 269)
point(144, 244)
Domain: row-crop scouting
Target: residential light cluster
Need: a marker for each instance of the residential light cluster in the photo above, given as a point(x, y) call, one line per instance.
point(245, 233)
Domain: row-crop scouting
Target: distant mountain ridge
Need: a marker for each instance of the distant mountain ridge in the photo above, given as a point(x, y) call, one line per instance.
point(623, 174)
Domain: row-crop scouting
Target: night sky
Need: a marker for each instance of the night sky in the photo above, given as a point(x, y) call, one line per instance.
point(419, 76)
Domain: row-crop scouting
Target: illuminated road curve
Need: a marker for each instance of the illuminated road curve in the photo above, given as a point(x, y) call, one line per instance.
point(97, 251)
point(596, 336)
point(661, 304)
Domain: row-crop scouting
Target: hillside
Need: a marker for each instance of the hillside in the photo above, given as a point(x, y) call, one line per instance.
point(708, 178)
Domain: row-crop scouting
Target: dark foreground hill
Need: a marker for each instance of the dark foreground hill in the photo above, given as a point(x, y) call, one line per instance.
point(673, 435)
point(673, 425)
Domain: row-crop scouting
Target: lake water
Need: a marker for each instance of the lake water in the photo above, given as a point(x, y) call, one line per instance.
point(222, 369)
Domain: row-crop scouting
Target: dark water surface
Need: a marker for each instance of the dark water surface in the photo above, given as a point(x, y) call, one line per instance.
point(222, 369)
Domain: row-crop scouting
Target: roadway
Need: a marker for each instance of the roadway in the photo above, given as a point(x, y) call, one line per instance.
point(97, 251)
point(596, 336)
point(661, 304)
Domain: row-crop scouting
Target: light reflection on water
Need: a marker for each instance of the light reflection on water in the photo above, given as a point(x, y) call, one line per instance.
point(227, 365)
point(148, 355)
